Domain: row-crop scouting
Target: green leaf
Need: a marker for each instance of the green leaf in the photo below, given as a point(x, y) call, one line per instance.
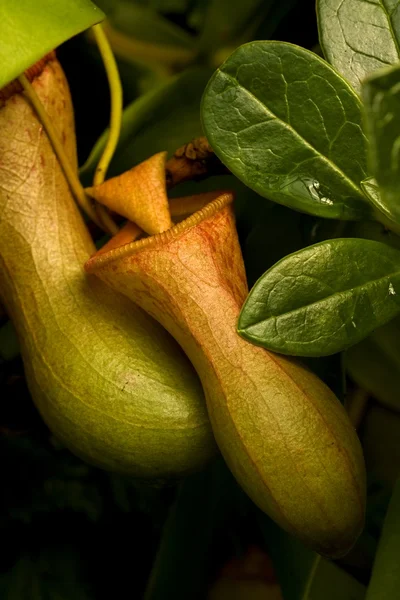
point(374, 364)
point(381, 95)
point(28, 30)
point(331, 582)
point(371, 190)
point(359, 36)
point(385, 579)
point(385, 213)
point(328, 581)
point(222, 24)
point(163, 119)
point(290, 128)
point(303, 574)
point(324, 298)
point(144, 23)
point(180, 567)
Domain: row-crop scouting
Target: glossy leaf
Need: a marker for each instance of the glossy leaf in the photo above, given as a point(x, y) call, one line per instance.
point(385, 579)
point(163, 119)
point(375, 364)
point(359, 36)
point(381, 95)
point(324, 298)
point(289, 127)
point(371, 189)
point(28, 30)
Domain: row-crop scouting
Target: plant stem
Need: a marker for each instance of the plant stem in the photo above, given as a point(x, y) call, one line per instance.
point(114, 83)
point(116, 100)
point(71, 176)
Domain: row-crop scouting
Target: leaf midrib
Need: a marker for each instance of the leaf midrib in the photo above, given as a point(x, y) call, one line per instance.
point(304, 306)
point(389, 20)
point(296, 134)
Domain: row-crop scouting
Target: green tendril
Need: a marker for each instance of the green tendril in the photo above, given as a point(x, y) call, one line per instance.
point(114, 83)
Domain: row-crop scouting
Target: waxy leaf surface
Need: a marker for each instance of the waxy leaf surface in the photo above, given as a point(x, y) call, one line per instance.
point(387, 212)
point(381, 94)
point(29, 30)
point(359, 36)
point(371, 189)
point(287, 125)
point(324, 298)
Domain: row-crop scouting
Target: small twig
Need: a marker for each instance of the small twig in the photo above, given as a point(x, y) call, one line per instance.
point(193, 161)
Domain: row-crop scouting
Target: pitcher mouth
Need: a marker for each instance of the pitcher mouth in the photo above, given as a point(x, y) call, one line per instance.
point(100, 259)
